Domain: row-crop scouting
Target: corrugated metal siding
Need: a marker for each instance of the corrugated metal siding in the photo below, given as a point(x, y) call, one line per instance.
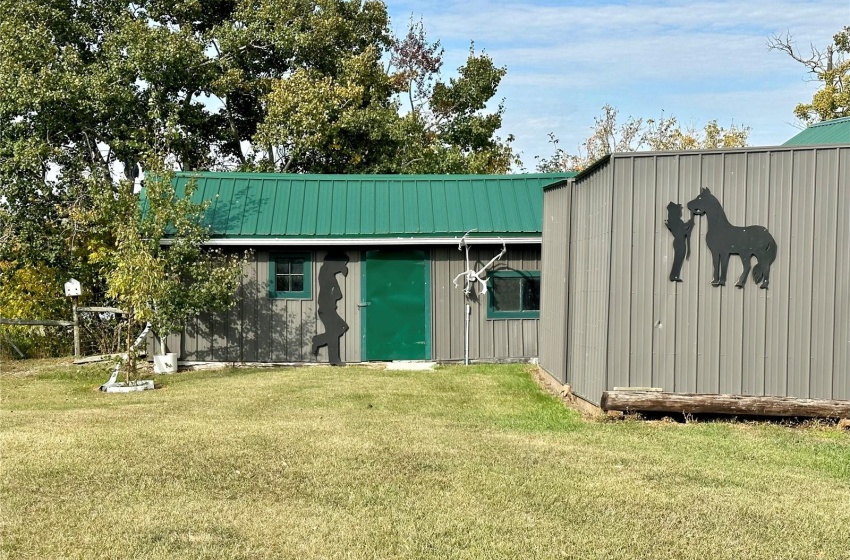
point(791, 340)
point(758, 190)
point(686, 325)
point(262, 329)
point(841, 299)
point(255, 205)
point(590, 271)
point(489, 338)
point(619, 327)
point(555, 274)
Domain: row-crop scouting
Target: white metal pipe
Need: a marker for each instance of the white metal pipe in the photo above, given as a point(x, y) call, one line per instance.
point(124, 357)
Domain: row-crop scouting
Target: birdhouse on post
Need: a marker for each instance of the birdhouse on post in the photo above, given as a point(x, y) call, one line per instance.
point(72, 288)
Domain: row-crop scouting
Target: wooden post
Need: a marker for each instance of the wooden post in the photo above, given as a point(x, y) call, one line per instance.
point(685, 403)
point(76, 327)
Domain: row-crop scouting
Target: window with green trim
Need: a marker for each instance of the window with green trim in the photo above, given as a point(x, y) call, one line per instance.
point(289, 275)
point(513, 294)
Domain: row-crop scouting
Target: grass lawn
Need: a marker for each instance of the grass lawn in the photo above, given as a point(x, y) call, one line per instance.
point(355, 462)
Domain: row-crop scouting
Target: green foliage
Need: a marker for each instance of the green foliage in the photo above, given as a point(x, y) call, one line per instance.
point(329, 124)
point(664, 134)
point(447, 128)
point(831, 68)
point(33, 292)
point(166, 285)
point(91, 88)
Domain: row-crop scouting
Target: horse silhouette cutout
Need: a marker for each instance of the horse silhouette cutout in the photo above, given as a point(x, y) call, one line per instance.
point(329, 294)
point(681, 238)
point(724, 239)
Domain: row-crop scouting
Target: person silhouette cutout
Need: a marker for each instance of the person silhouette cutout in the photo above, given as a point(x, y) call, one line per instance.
point(681, 238)
point(329, 294)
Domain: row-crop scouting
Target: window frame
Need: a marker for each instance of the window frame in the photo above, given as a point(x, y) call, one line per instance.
point(520, 314)
point(307, 292)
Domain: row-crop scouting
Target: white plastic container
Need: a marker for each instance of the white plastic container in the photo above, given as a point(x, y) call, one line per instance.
point(165, 363)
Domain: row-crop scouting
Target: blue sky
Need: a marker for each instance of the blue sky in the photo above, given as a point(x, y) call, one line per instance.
point(695, 60)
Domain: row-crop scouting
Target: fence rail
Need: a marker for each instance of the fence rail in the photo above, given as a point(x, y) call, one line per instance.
point(103, 310)
point(52, 323)
point(36, 322)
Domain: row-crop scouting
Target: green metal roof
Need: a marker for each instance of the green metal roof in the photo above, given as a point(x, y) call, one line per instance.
point(835, 131)
point(262, 206)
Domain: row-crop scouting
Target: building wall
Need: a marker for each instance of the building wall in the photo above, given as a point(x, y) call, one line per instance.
point(260, 329)
point(490, 339)
point(555, 271)
point(790, 340)
point(590, 273)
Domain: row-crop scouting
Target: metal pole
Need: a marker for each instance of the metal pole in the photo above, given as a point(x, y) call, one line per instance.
point(76, 327)
point(468, 309)
point(466, 341)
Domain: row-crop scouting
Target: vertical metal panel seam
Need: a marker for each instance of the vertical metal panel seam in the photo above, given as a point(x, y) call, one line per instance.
point(631, 252)
point(569, 187)
point(720, 302)
point(743, 302)
point(790, 236)
point(812, 268)
point(586, 242)
point(699, 289)
point(768, 225)
point(835, 364)
point(570, 191)
point(676, 287)
point(607, 350)
point(568, 349)
point(654, 246)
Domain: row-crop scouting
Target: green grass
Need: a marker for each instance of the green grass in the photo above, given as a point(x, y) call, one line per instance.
point(356, 462)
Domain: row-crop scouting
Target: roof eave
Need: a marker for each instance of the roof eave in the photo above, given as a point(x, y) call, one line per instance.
point(534, 239)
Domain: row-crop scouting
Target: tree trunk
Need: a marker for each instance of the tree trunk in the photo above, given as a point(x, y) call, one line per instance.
point(654, 401)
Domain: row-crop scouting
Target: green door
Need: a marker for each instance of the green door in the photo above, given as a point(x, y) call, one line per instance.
point(395, 306)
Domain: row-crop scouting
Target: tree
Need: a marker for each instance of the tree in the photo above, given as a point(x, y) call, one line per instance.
point(663, 134)
point(272, 85)
point(166, 285)
point(88, 89)
point(446, 126)
point(831, 67)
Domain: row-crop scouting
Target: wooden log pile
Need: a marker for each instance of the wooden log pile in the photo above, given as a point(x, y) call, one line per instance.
point(742, 405)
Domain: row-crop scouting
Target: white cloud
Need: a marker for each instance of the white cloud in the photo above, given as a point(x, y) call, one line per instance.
point(695, 60)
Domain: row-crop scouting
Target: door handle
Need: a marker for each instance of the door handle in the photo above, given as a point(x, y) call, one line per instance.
point(364, 304)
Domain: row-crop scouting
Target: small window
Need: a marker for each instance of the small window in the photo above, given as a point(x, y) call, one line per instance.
point(289, 275)
point(513, 294)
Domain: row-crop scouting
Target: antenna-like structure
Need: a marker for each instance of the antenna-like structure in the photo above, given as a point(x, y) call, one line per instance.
point(471, 277)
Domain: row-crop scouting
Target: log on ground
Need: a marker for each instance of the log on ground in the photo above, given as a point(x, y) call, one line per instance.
point(690, 403)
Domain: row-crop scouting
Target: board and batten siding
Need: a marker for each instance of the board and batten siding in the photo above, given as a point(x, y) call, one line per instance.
point(262, 329)
point(790, 340)
point(490, 339)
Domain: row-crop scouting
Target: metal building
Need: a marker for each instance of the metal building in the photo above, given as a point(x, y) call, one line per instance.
point(397, 238)
point(612, 317)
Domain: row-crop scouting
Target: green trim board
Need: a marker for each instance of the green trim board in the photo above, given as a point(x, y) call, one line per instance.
point(520, 294)
point(286, 271)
